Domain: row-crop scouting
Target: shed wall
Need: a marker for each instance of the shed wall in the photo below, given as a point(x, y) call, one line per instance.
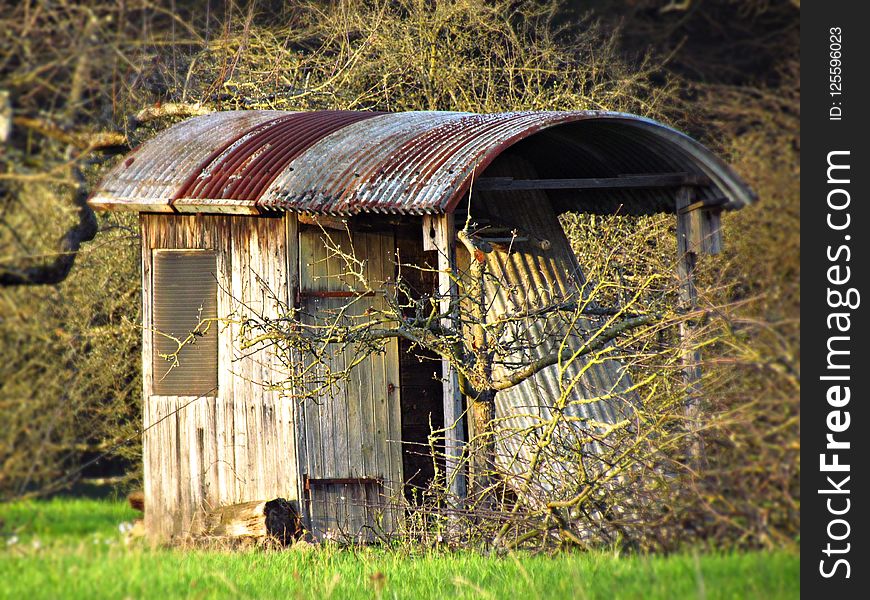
point(238, 443)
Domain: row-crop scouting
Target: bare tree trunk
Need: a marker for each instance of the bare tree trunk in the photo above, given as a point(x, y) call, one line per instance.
point(482, 447)
point(57, 270)
point(482, 405)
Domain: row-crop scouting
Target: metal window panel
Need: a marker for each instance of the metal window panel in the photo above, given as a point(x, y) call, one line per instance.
point(185, 308)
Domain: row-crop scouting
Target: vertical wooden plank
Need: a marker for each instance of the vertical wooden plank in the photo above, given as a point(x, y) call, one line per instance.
point(191, 458)
point(197, 415)
point(712, 232)
point(310, 408)
point(353, 467)
point(159, 524)
point(151, 473)
point(393, 388)
point(330, 427)
point(271, 261)
point(382, 371)
point(224, 406)
point(252, 302)
point(356, 512)
point(454, 435)
point(273, 285)
point(206, 433)
point(208, 438)
point(342, 523)
point(355, 385)
point(368, 451)
point(316, 409)
point(330, 510)
point(174, 499)
point(686, 262)
point(338, 393)
point(146, 226)
point(169, 465)
point(385, 383)
point(374, 507)
point(294, 429)
point(273, 266)
point(240, 376)
point(379, 375)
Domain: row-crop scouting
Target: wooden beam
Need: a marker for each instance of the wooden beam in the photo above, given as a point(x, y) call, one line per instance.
point(656, 180)
point(713, 203)
point(320, 481)
point(221, 207)
point(303, 294)
point(687, 258)
point(502, 236)
point(430, 232)
point(702, 225)
point(439, 233)
point(325, 221)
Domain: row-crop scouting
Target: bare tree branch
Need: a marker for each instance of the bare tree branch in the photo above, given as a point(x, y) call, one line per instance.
point(57, 270)
point(600, 341)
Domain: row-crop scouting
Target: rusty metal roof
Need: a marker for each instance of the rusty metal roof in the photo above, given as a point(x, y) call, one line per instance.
point(349, 162)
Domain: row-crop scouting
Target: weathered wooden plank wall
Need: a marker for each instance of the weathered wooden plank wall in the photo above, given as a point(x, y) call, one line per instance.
point(352, 431)
point(238, 444)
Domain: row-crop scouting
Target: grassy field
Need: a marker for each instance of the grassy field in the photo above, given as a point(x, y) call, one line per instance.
point(75, 549)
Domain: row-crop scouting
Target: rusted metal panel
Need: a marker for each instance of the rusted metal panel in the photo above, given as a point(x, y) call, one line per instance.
point(245, 170)
point(345, 162)
point(355, 156)
point(151, 176)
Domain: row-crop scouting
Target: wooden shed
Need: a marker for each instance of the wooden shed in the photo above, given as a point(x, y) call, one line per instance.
point(226, 204)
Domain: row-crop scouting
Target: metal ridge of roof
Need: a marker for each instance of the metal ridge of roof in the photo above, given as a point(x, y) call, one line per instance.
point(350, 162)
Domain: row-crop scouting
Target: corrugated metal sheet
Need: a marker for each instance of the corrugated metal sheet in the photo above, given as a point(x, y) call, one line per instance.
point(245, 170)
point(593, 390)
point(150, 177)
point(345, 162)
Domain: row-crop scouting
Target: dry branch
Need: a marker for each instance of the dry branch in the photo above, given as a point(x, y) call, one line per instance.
point(57, 269)
point(169, 109)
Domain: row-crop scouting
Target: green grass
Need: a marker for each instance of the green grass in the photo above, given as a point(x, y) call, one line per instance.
point(74, 549)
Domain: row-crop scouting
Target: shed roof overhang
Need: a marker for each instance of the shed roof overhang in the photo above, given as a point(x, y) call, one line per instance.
point(350, 162)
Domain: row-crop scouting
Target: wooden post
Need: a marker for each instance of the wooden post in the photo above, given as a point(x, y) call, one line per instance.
point(688, 246)
point(439, 235)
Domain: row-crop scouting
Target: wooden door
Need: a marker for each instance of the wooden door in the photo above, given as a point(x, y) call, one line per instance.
point(351, 429)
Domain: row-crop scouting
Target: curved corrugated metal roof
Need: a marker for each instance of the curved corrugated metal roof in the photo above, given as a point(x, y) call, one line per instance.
point(349, 162)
